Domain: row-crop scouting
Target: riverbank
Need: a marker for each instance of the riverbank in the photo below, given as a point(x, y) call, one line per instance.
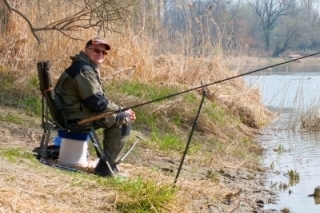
point(221, 185)
point(221, 172)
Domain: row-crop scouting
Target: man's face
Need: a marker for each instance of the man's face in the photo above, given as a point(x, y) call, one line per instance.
point(96, 53)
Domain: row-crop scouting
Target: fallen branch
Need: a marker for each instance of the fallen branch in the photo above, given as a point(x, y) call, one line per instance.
point(216, 207)
point(236, 207)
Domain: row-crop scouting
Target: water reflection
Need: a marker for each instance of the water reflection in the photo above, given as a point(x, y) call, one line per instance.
point(317, 200)
point(290, 91)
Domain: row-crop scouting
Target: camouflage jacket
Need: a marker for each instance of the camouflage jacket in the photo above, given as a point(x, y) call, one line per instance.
point(80, 90)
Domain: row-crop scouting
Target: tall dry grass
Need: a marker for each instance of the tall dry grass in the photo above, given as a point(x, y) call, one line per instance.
point(140, 52)
point(131, 48)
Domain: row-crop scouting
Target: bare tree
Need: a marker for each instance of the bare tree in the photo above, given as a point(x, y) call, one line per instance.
point(289, 31)
point(97, 14)
point(268, 12)
point(309, 6)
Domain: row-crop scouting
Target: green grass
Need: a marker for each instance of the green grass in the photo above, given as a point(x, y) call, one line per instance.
point(168, 128)
point(142, 90)
point(145, 196)
point(170, 132)
point(168, 141)
point(216, 114)
point(280, 149)
point(32, 105)
point(11, 118)
point(13, 155)
point(191, 98)
point(137, 195)
point(146, 118)
point(26, 96)
point(293, 176)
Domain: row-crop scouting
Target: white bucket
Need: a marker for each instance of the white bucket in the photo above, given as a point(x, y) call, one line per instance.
point(73, 152)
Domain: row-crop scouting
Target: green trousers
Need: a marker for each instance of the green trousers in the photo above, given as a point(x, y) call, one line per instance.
point(114, 139)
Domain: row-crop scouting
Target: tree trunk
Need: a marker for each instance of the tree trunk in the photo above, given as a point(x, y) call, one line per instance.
point(280, 50)
point(267, 40)
point(4, 17)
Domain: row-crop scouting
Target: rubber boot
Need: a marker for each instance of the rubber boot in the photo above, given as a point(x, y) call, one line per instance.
point(102, 169)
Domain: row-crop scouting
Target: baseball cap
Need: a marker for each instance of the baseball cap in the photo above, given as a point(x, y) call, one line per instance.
point(97, 41)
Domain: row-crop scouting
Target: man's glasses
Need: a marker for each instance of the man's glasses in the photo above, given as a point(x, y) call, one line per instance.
point(96, 50)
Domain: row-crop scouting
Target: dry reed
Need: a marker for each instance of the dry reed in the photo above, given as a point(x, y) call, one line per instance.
point(132, 57)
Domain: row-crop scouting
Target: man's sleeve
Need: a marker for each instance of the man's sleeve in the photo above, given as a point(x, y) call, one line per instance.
point(91, 93)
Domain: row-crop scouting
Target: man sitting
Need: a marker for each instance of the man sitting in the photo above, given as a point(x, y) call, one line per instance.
point(81, 93)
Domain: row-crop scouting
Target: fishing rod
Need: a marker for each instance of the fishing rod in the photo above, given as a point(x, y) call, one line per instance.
point(194, 88)
point(203, 87)
point(220, 81)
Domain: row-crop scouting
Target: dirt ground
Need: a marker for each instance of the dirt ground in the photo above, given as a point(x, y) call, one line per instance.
point(227, 189)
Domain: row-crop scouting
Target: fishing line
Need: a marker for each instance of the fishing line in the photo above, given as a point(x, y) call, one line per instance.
point(217, 82)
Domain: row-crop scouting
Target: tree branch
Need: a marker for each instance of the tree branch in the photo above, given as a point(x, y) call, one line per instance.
point(25, 18)
point(89, 15)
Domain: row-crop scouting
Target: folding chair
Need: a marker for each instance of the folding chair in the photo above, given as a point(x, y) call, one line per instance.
point(53, 118)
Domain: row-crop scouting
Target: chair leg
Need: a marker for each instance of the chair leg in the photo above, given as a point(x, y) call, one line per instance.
point(45, 125)
point(45, 147)
point(95, 142)
point(44, 141)
point(99, 150)
point(40, 154)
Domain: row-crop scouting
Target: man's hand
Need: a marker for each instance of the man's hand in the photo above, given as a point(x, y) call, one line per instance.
point(124, 119)
point(131, 115)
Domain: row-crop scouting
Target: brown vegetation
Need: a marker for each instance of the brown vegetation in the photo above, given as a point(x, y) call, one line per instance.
point(132, 58)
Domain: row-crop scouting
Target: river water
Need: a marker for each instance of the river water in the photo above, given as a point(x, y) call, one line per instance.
point(291, 90)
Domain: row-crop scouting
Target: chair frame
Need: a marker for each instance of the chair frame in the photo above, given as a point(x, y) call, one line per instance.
point(53, 117)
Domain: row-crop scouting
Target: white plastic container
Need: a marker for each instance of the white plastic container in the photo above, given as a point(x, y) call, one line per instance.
point(73, 152)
